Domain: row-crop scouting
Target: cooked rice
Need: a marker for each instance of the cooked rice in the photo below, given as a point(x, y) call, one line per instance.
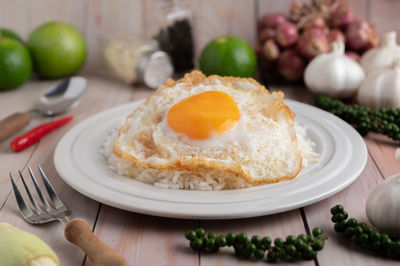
point(202, 179)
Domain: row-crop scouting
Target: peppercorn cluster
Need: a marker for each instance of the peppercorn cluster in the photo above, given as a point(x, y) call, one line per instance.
point(385, 121)
point(293, 248)
point(364, 235)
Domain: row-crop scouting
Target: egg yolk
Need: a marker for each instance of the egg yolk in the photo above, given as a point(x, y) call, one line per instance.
point(202, 115)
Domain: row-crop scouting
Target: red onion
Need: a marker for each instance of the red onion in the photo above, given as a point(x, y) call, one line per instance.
point(271, 21)
point(353, 55)
point(360, 35)
point(314, 22)
point(336, 35)
point(342, 17)
point(265, 34)
point(286, 34)
point(270, 50)
point(313, 42)
point(291, 65)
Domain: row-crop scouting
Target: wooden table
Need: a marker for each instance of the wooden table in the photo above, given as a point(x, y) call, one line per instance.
point(147, 240)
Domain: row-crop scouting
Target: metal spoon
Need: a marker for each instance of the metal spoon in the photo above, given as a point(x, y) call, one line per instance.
point(58, 99)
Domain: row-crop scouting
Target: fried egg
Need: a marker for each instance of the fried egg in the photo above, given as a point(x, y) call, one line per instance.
point(230, 125)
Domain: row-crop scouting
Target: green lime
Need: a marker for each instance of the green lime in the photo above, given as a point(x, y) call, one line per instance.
point(15, 64)
point(7, 33)
point(228, 56)
point(58, 49)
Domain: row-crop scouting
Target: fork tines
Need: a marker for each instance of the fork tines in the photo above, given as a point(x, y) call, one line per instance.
point(41, 212)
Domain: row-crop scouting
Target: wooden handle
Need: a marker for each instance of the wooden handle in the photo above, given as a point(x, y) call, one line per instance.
point(12, 124)
point(78, 232)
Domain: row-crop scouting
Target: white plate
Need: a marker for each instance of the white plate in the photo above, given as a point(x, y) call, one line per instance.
point(80, 165)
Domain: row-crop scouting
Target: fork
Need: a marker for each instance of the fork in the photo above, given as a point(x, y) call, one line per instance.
point(76, 231)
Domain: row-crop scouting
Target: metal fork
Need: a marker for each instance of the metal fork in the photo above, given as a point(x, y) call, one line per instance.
point(76, 231)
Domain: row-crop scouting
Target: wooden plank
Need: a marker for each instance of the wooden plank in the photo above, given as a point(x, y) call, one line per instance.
point(146, 240)
point(105, 17)
point(338, 249)
point(385, 15)
point(382, 150)
point(270, 6)
point(20, 100)
point(278, 225)
point(23, 15)
point(226, 17)
point(360, 8)
point(101, 94)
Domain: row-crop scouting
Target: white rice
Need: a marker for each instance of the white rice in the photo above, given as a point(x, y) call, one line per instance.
point(204, 179)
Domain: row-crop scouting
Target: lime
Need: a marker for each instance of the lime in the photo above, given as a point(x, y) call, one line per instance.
point(228, 56)
point(57, 49)
point(15, 64)
point(7, 33)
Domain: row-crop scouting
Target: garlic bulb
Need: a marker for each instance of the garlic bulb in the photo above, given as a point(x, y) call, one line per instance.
point(383, 206)
point(381, 89)
point(334, 73)
point(382, 56)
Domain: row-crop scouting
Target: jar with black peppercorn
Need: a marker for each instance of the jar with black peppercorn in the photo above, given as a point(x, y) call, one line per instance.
point(170, 22)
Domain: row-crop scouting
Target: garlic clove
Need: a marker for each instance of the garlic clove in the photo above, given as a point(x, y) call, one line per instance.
point(380, 57)
point(381, 89)
point(383, 206)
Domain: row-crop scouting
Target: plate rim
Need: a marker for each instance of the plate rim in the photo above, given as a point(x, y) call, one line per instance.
point(59, 157)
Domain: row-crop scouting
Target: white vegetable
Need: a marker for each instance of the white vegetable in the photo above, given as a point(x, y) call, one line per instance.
point(382, 56)
point(334, 73)
point(381, 89)
point(383, 206)
point(18, 247)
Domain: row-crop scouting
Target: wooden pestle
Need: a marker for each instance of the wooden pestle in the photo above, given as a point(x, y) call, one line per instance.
point(78, 232)
point(12, 124)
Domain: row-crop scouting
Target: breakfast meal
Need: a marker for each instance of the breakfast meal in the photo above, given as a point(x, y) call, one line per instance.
point(210, 133)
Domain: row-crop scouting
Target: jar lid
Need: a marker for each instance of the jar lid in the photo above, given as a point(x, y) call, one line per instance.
point(154, 68)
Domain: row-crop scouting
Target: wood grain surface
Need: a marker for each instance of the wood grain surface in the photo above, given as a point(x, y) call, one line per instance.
point(211, 18)
point(147, 240)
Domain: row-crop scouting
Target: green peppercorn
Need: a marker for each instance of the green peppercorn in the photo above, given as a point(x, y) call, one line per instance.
point(190, 235)
point(318, 245)
point(317, 232)
point(349, 232)
point(352, 222)
point(338, 217)
point(302, 237)
point(256, 240)
point(279, 242)
point(230, 238)
point(200, 233)
point(248, 250)
point(212, 235)
point(282, 254)
point(307, 252)
point(259, 254)
point(337, 209)
point(358, 230)
point(221, 241)
point(241, 238)
point(272, 256)
point(290, 239)
point(266, 241)
point(375, 236)
point(290, 250)
point(210, 243)
point(340, 226)
point(310, 239)
point(196, 244)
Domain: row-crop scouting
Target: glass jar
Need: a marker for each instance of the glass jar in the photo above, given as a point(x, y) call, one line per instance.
point(134, 59)
point(170, 22)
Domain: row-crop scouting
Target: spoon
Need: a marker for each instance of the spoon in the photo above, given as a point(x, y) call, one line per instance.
point(60, 98)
